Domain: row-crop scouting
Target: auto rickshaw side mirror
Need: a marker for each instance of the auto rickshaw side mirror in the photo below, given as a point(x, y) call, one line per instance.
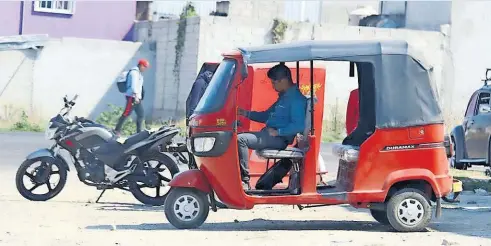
point(488, 76)
point(351, 69)
point(243, 72)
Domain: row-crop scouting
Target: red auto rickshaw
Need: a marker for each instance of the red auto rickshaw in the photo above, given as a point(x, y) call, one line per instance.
point(393, 163)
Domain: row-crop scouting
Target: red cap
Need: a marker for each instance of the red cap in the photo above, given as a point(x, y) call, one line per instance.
point(143, 62)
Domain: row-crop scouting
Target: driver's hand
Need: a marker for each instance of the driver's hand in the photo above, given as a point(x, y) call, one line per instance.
point(137, 100)
point(242, 112)
point(272, 132)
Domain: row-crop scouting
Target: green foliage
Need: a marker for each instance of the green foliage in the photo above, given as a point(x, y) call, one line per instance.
point(188, 11)
point(110, 119)
point(278, 31)
point(24, 125)
point(333, 129)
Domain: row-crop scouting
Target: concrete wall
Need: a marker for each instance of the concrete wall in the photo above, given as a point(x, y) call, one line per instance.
point(470, 56)
point(87, 67)
point(428, 15)
point(91, 19)
point(214, 35)
point(223, 34)
point(337, 12)
point(256, 9)
point(420, 15)
point(173, 82)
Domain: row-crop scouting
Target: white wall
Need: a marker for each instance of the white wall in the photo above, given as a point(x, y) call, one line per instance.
point(223, 34)
point(428, 15)
point(70, 66)
point(471, 53)
point(219, 34)
point(421, 15)
point(170, 91)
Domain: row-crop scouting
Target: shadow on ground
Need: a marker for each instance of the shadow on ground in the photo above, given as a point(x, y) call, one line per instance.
point(458, 221)
point(127, 207)
point(262, 225)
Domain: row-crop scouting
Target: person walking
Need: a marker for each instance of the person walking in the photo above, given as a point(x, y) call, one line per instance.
point(134, 96)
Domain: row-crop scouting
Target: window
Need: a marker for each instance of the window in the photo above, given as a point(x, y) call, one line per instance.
point(216, 92)
point(471, 106)
point(58, 7)
point(483, 103)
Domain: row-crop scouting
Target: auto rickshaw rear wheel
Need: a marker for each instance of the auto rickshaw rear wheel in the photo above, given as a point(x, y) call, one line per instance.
point(380, 216)
point(186, 208)
point(409, 210)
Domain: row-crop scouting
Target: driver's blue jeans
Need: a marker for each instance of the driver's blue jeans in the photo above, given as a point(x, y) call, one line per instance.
point(256, 141)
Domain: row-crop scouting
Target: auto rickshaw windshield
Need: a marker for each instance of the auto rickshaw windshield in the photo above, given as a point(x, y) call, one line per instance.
point(217, 90)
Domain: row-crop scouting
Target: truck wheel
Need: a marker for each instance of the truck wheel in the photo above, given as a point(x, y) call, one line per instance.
point(186, 208)
point(453, 158)
point(409, 211)
point(380, 216)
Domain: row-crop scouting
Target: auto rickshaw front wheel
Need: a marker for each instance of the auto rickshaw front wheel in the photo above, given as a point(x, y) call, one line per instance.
point(408, 210)
point(186, 208)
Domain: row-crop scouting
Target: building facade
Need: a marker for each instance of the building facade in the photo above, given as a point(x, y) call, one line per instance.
point(82, 19)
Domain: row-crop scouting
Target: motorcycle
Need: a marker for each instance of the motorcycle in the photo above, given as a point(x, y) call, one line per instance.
point(100, 158)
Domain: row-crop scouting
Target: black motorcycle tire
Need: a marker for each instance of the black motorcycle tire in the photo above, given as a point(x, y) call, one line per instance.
point(170, 164)
point(19, 182)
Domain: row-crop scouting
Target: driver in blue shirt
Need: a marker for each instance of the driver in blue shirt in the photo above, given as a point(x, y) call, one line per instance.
point(284, 119)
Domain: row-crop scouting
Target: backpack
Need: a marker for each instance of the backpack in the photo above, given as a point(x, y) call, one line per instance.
point(274, 175)
point(121, 82)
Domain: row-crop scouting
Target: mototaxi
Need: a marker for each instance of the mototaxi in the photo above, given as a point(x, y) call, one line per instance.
point(394, 163)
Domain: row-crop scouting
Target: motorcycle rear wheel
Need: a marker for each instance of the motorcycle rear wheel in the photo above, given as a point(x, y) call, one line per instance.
point(135, 187)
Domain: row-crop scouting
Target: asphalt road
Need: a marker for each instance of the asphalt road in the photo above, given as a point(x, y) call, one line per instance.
point(14, 147)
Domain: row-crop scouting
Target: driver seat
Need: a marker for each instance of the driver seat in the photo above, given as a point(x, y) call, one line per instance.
point(302, 146)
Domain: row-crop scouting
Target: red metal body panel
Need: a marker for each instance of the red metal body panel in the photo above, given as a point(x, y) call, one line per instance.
point(191, 179)
point(352, 111)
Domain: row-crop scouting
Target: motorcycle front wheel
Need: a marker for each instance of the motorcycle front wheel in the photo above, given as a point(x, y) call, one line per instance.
point(41, 179)
point(161, 169)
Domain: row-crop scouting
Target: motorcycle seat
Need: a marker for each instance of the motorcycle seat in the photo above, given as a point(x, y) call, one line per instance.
point(135, 138)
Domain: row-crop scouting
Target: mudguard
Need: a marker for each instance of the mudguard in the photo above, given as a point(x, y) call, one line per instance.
point(412, 174)
point(459, 138)
point(47, 153)
point(193, 178)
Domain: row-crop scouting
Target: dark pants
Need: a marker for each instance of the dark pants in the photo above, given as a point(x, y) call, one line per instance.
point(130, 106)
point(256, 141)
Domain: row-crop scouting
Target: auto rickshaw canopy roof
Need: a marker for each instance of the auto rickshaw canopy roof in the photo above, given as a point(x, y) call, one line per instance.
point(394, 79)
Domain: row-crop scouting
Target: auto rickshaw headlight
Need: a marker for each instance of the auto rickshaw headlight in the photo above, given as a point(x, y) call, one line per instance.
point(204, 144)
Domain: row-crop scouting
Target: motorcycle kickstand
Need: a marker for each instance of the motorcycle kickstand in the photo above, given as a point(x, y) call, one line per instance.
point(102, 193)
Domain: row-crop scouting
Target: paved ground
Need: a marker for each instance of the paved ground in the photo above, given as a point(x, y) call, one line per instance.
point(73, 219)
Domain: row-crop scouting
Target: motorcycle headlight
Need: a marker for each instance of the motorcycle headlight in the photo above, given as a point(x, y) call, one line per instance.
point(203, 144)
point(49, 133)
point(188, 144)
